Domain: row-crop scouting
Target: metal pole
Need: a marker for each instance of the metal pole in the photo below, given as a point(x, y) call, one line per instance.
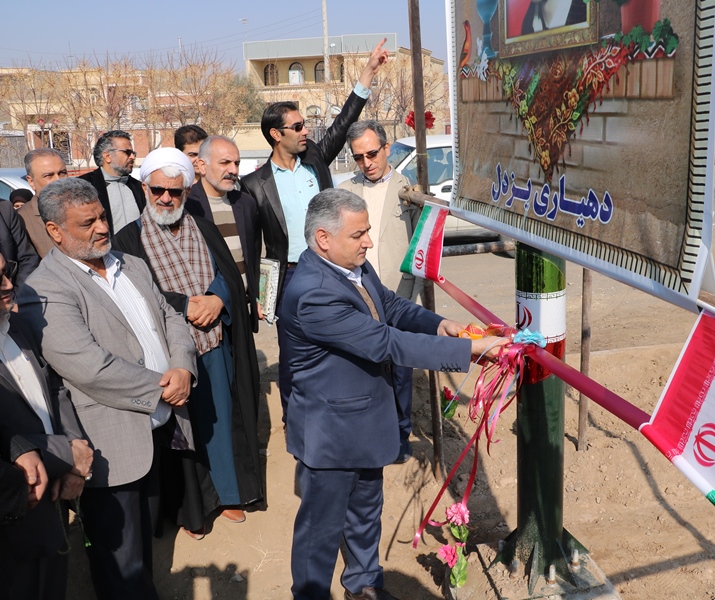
point(585, 357)
point(540, 542)
point(421, 147)
point(326, 60)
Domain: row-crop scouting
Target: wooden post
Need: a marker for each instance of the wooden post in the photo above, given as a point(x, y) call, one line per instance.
point(585, 357)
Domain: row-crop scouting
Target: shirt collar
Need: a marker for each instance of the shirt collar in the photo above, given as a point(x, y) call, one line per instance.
point(387, 177)
point(275, 168)
point(354, 275)
point(111, 263)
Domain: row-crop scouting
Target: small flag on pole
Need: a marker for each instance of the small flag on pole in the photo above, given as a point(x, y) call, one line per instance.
point(424, 256)
point(682, 426)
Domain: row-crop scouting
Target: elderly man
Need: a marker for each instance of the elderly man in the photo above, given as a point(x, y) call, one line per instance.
point(344, 333)
point(197, 273)
point(393, 223)
point(233, 211)
point(188, 139)
point(40, 435)
point(127, 359)
point(119, 193)
point(43, 166)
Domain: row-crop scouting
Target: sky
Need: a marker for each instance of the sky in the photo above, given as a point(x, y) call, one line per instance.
point(67, 31)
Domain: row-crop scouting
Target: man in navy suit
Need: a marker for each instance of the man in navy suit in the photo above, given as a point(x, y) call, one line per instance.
point(344, 333)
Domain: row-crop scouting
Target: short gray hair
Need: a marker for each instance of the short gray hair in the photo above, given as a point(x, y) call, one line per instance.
point(168, 171)
point(359, 128)
point(325, 211)
point(205, 148)
point(58, 195)
point(32, 155)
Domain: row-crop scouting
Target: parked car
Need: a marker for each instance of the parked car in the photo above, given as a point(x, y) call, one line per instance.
point(440, 175)
point(12, 179)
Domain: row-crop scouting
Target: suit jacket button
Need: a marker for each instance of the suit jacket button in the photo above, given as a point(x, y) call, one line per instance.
point(141, 362)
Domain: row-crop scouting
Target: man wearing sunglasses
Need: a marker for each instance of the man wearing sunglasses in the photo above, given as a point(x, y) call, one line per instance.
point(197, 273)
point(393, 224)
point(297, 170)
point(119, 193)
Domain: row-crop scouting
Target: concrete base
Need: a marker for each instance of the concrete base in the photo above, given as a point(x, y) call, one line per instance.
point(498, 583)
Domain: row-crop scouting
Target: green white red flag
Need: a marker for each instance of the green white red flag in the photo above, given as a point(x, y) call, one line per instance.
point(682, 426)
point(424, 256)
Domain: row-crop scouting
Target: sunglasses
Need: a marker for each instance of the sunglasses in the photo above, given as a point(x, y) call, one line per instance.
point(10, 269)
point(160, 191)
point(371, 154)
point(297, 127)
point(125, 150)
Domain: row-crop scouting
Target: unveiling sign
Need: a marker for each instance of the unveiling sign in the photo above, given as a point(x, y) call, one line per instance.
point(585, 129)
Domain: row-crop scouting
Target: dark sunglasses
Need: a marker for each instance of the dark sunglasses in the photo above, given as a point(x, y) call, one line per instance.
point(125, 150)
point(297, 127)
point(371, 154)
point(160, 191)
point(10, 269)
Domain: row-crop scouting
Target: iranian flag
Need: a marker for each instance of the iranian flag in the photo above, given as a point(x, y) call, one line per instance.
point(424, 256)
point(683, 424)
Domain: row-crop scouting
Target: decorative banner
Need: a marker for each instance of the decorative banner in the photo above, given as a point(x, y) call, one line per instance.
point(683, 424)
point(585, 129)
point(424, 256)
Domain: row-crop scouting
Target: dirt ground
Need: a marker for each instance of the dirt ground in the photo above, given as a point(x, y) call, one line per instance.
point(645, 525)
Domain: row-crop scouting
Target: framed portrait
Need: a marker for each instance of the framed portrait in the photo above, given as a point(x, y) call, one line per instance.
point(529, 26)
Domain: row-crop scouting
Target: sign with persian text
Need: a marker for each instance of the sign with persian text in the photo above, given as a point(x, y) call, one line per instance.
point(585, 129)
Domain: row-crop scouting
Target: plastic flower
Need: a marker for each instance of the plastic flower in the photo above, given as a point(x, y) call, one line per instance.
point(448, 554)
point(458, 514)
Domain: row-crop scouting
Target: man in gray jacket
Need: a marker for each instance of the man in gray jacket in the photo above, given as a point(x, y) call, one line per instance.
point(128, 361)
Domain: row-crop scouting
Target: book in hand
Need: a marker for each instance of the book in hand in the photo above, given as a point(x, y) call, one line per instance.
point(268, 288)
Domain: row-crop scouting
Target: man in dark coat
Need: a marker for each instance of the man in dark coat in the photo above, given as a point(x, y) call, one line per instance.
point(233, 211)
point(297, 170)
point(119, 193)
point(15, 244)
point(195, 270)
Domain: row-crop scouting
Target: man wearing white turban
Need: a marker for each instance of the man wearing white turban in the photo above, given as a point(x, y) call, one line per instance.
point(196, 272)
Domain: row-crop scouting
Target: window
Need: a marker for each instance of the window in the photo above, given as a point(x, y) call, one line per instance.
point(320, 72)
point(296, 74)
point(270, 75)
point(342, 72)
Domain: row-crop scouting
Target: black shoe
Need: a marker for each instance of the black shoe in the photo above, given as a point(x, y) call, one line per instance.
point(369, 593)
point(405, 453)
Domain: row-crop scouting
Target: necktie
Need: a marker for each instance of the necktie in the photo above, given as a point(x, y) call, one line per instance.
point(368, 300)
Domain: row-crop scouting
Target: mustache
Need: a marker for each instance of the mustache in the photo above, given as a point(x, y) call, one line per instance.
point(231, 177)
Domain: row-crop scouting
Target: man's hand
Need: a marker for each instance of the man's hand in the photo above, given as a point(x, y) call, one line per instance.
point(378, 57)
point(67, 487)
point(177, 385)
point(489, 346)
point(202, 311)
point(449, 328)
point(31, 465)
point(259, 312)
point(82, 457)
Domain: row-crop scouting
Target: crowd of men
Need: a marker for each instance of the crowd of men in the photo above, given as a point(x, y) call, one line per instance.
point(128, 368)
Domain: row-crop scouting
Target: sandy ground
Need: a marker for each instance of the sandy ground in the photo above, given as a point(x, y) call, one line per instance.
point(645, 525)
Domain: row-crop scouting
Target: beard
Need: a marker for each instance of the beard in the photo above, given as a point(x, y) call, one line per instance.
point(83, 251)
point(123, 171)
point(165, 217)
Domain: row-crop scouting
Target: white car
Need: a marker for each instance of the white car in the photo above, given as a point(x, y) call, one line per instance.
point(12, 179)
point(440, 175)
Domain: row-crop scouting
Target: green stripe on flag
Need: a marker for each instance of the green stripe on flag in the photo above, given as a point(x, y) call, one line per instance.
point(711, 497)
point(406, 266)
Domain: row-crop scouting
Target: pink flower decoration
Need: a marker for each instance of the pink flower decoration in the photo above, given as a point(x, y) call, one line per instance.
point(457, 514)
point(448, 554)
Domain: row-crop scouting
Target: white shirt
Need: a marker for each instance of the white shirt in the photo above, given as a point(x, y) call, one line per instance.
point(134, 308)
point(24, 374)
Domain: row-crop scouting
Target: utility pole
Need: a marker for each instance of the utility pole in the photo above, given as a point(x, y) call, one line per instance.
point(326, 59)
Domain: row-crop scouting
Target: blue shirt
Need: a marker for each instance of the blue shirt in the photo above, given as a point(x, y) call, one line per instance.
point(296, 189)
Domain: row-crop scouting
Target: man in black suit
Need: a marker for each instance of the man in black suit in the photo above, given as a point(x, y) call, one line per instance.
point(119, 193)
point(297, 170)
point(233, 211)
point(15, 244)
point(41, 437)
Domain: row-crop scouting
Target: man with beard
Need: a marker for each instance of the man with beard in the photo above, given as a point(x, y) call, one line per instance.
point(197, 273)
point(119, 193)
point(233, 211)
point(128, 360)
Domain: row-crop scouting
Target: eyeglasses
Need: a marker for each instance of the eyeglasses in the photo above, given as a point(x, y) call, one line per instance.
point(160, 191)
point(371, 154)
point(297, 127)
point(126, 151)
point(10, 269)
